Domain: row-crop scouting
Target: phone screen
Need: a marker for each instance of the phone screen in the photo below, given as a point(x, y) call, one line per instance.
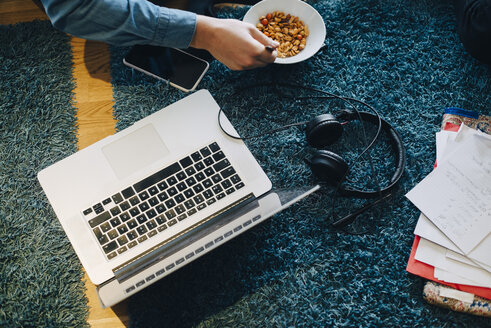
point(181, 69)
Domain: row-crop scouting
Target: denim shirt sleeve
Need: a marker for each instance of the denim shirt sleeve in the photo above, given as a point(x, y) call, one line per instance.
point(122, 22)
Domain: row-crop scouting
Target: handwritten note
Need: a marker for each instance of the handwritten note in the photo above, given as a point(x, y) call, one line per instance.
point(456, 196)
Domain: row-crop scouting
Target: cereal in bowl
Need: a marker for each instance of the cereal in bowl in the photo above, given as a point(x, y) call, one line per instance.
point(288, 30)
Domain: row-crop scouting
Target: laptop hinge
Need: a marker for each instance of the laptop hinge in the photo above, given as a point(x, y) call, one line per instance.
point(185, 238)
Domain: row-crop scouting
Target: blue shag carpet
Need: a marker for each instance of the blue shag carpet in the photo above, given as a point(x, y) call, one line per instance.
point(40, 276)
point(402, 57)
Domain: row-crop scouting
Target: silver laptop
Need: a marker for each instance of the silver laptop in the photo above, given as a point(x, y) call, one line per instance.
point(141, 203)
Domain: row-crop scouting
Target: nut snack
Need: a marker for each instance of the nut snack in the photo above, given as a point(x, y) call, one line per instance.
point(288, 30)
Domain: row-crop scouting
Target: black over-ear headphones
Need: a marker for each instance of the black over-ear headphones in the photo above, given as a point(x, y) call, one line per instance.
point(329, 167)
point(325, 129)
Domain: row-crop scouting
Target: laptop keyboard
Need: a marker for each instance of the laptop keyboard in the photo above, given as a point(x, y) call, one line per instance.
point(165, 198)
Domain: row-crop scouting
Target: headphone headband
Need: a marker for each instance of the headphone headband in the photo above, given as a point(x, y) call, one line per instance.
point(327, 127)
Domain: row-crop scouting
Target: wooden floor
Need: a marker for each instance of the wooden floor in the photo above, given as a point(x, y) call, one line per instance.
point(93, 100)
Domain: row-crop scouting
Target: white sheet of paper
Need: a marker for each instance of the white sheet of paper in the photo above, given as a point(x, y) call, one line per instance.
point(443, 138)
point(455, 196)
point(428, 230)
point(453, 278)
point(433, 254)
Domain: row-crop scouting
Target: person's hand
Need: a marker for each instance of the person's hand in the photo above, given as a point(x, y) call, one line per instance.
point(236, 44)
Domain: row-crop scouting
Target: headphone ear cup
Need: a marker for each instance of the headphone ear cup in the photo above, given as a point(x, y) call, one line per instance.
point(323, 130)
point(328, 166)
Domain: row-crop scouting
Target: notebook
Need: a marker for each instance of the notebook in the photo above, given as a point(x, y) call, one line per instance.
point(173, 182)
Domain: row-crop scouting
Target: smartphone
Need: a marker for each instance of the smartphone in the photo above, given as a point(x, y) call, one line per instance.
point(177, 67)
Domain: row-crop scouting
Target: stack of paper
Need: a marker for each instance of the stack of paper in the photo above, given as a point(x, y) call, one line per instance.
point(455, 201)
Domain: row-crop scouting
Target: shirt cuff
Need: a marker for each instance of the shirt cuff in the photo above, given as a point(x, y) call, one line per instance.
point(175, 28)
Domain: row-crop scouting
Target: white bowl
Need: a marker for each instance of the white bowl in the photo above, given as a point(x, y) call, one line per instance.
point(305, 12)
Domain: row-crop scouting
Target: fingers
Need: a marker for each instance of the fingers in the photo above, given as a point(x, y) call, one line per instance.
point(267, 47)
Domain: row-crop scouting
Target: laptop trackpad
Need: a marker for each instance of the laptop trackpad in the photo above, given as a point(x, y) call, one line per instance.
point(135, 151)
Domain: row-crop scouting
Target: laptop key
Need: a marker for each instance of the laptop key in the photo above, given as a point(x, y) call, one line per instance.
point(128, 192)
point(162, 185)
point(157, 177)
point(181, 176)
point(122, 240)
point(99, 219)
point(132, 224)
point(143, 195)
point(141, 218)
point(132, 235)
point(151, 224)
point(221, 165)
point(87, 211)
point(125, 206)
point(105, 227)
point(160, 208)
point(112, 234)
point(214, 147)
point(180, 209)
point(97, 232)
point(143, 206)
point(228, 172)
point(153, 201)
point(106, 201)
point(172, 181)
point(218, 156)
point(186, 161)
point(142, 239)
point(132, 244)
point(199, 166)
point(163, 196)
point(134, 200)
point(179, 198)
point(152, 233)
point(151, 213)
point(115, 222)
point(205, 151)
point(170, 214)
point(235, 179)
point(122, 249)
point(142, 230)
point(134, 211)
point(198, 199)
point(117, 198)
point(103, 239)
point(112, 255)
point(125, 217)
point(172, 191)
point(115, 211)
point(196, 156)
point(110, 247)
point(122, 229)
point(160, 219)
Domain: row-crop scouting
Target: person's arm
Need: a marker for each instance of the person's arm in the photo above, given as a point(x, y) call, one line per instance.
point(122, 22)
point(236, 44)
